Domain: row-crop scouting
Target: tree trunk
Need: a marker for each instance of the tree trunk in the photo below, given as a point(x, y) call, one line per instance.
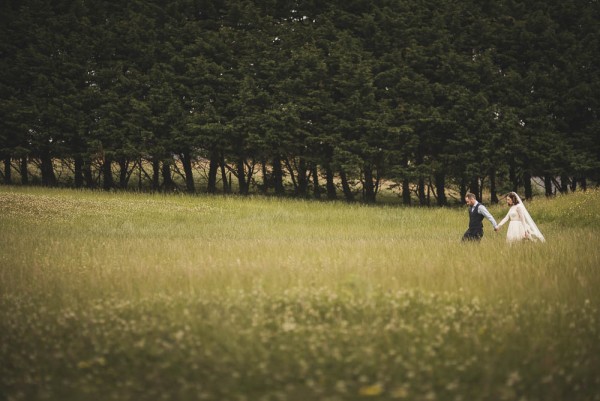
point(406, 191)
point(369, 187)
point(302, 181)
point(155, 174)
point(241, 175)
point(226, 183)
point(292, 172)
point(463, 189)
point(548, 184)
point(564, 184)
point(107, 177)
point(168, 183)
point(420, 180)
point(78, 171)
point(330, 185)
point(123, 167)
point(574, 183)
point(474, 187)
point(278, 176)
point(346, 187)
point(329, 174)
point(87, 173)
point(186, 160)
point(213, 168)
point(7, 171)
point(316, 186)
point(429, 193)
point(24, 171)
point(140, 169)
point(481, 190)
point(266, 179)
point(583, 184)
point(421, 191)
point(48, 177)
point(440, 187)
point(88, 176)
point(527, 185)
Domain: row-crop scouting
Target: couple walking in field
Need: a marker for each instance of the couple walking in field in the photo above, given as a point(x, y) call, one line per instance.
point(521, 226)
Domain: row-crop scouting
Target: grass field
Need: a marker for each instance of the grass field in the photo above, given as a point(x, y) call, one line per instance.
point(121, 296)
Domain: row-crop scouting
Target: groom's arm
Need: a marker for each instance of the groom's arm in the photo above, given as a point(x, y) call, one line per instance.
point(483, 210)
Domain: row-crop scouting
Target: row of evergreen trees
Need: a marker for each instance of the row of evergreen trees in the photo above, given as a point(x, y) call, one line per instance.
point(314, 95)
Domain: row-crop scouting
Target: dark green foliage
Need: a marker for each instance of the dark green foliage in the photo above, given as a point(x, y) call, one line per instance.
point(318, 97)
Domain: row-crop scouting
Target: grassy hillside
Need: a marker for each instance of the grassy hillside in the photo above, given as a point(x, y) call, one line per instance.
point(136, 296)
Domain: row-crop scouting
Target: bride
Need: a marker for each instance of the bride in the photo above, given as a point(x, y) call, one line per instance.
point(521, 224)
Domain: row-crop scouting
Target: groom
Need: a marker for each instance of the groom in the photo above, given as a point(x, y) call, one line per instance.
point(476, 214)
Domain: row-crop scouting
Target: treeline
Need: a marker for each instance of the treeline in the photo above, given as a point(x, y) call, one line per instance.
point(305, 98)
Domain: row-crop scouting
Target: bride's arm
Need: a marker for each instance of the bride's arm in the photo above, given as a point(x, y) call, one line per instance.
point(504, 220)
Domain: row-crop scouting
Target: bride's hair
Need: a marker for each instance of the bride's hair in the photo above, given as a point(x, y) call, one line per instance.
point(513, 197)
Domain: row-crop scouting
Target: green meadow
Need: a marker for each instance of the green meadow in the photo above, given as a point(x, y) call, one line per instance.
point(123, 296)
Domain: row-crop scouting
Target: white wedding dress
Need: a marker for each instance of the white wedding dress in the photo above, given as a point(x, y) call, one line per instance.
point(521, 225)
point(516, 228)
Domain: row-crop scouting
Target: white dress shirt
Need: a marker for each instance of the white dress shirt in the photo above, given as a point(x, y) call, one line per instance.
point(483, 211)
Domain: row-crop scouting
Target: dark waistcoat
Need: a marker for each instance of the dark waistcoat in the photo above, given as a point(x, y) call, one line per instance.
point(475, 219)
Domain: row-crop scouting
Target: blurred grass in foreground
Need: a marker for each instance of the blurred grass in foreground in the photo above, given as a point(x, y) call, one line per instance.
point(136, 296)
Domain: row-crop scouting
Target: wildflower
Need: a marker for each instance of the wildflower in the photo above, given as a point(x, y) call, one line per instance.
point(288, 326)
point(430, 396)
point(372, 390)
point(340, 386)
point(452, 386)
point(513, 378)
point(400, 392)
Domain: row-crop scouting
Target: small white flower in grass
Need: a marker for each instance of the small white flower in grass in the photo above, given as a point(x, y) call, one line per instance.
point(340, 386)
point(289, 325)
point(513, 378)
point(400, 392)
point(179, 335)
point(452, 385)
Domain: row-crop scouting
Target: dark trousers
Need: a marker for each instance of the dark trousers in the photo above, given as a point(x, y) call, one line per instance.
point(473, 234)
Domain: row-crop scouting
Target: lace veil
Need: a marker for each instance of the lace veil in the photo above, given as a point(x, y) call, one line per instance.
point(534, 231)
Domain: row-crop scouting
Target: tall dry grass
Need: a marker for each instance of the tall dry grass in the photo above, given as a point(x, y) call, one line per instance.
point(137, 296)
